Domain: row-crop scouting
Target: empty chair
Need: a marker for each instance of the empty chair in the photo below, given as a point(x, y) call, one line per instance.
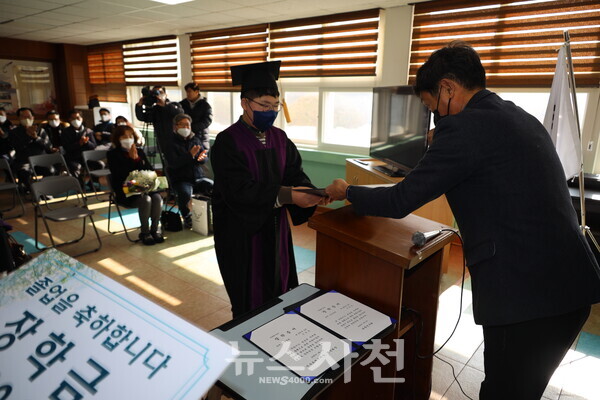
point(112, 200)
point(50, 161)
point(73, 207)
point(10, 185)
point(98, 156)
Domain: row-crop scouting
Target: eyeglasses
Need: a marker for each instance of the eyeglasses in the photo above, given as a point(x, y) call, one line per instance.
point(274, 107)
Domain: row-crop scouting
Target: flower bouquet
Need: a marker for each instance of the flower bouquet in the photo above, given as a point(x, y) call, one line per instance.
point(144, 181)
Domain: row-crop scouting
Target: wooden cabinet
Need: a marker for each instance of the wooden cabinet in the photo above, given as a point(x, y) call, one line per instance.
point(361, 171)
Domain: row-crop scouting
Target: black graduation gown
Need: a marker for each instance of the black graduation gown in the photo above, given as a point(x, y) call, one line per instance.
point(253, 240)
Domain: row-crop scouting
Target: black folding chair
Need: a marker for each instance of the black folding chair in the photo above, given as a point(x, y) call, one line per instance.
point(50, 162)
point(10, 185)
point(112, 200)
point(74, 206)
point(98, 156)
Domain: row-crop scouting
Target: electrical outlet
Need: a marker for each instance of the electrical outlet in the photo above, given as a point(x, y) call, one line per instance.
point(590, 145)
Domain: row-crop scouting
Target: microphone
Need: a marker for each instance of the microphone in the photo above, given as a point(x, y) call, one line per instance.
point(420, 238)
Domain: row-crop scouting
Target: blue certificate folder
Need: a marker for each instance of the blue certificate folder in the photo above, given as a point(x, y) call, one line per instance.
point(325, 325)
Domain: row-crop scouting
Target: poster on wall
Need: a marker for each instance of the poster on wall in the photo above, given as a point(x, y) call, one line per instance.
point(8, 91)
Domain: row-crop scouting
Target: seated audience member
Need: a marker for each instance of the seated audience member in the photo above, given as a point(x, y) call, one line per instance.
point(123, 158)
point(139, 138)
point(75, 140)
point(103, 130)
point(6, 149)
point(28, 140)
point(54, 128)
point(198, 108)
point(185, 157)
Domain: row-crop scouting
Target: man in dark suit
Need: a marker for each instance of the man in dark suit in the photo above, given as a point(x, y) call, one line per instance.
point(533, 274)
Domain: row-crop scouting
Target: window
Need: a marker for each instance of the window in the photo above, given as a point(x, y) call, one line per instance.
point(304, 114)
point(347, 119)
point(152, 61)
point(517, 40)
point(222, 112)
point(107, 76)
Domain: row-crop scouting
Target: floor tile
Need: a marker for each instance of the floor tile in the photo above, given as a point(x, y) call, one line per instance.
point(442, 375)
point(470, 380)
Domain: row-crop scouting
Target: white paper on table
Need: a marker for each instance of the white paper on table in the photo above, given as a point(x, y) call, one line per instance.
point(303, 347)
point(346, 317)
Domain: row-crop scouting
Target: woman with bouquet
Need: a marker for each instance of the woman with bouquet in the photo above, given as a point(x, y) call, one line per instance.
point(124, 158)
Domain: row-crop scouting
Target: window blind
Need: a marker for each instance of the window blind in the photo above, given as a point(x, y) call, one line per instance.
point(152, 61)
point(105, 67)
point(214, 52)
point(516, 40)
point(332, 45)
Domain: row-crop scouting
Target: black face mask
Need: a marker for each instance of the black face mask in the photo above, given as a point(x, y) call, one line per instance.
point(436, 114)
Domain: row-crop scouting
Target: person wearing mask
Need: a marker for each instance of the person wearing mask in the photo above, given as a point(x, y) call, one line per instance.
point(160, 114)
point(103, 130)
point(75, 140)
point(185, 158)
point(28, 140)
point(533, 274)
point(6, 149)
point(255, 168)
point(125, 156)
point(139, 138)
point(54, 128)
point(198, 108)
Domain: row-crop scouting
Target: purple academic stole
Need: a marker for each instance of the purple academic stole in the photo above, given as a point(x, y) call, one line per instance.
point(249, 144)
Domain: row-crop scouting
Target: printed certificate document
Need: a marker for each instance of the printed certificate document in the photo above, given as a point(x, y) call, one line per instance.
point(346, 317)
point(300, 345)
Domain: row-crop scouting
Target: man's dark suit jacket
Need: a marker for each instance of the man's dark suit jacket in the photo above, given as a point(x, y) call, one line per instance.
point(507, 190)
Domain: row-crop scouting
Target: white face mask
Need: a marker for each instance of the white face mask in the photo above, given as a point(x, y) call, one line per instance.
point(2, 119)
point(76, 123)
point(105, 117)
point(122, 123)
point(27, 122)
point(126, 143)
point(54, 123)
point(184, 132)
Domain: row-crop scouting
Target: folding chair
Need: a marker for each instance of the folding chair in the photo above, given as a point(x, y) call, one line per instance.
point(112, 200)
point(10, 184)
point(63, 211)
point(48, 161)
point(95, 155)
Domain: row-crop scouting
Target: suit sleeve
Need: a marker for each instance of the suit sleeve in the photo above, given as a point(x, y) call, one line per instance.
point(451, 158)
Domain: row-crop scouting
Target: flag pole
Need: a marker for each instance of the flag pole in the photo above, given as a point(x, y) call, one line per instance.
point(584, 228)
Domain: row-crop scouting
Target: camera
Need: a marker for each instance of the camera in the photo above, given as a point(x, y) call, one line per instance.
point(150, 96)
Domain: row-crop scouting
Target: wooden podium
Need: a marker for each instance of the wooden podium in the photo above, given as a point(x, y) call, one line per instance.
point(372, 260)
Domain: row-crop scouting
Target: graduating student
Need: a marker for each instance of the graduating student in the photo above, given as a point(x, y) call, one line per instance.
point(255, 167)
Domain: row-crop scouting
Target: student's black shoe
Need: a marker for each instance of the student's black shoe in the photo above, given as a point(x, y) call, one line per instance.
point(147, 239)
point(158, 237)
point(187, 222)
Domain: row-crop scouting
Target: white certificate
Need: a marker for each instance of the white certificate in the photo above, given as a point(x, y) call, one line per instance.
point(301, 346)
point(346, 317)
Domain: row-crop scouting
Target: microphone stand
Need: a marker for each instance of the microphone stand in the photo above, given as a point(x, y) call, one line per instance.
point(584, 228)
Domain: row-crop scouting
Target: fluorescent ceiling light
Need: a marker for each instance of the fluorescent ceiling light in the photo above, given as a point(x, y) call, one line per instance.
point(172, 2)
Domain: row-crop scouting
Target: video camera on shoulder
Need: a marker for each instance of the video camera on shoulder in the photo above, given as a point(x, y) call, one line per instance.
point(150, 96)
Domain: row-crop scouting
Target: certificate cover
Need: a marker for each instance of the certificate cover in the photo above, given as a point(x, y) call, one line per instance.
point(316, 192)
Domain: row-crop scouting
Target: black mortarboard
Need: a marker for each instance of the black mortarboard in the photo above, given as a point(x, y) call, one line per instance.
point(256, 76)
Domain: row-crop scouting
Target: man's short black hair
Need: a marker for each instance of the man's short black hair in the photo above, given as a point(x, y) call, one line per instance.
point(74, 111)
point(103, 109)
point(457, 61)
point(259, 92)
point(20, 110)
point(192, 85)
point(2, 109)
point(51, 112)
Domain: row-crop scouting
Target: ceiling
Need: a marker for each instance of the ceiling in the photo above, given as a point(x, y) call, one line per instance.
point(87, 22)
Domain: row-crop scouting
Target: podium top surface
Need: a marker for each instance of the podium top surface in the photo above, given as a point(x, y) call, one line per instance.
point(386, 238)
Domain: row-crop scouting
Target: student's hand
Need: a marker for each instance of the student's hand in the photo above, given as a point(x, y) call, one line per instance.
point(337, 190)
point(304, 200)
point(83, 140)
point(430, 136)
point(194, 150)
point(133, 153)
point(202, 156)
point(55, 149)
point(98, 135)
